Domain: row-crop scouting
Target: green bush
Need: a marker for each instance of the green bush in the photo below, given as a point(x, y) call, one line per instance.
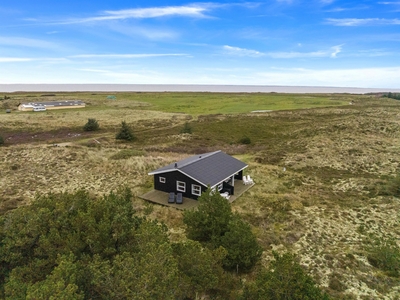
point(385, 255)
point(214, 225)
point(91, 125)
point(245, 140)
point(187, 128)
point(125, 133)
point(284, 279)
point(127, 153)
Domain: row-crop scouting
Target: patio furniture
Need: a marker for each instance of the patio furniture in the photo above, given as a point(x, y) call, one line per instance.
point(225, 195)
point(245, 181)
point(179, 198)
point(249, 179)
point(171, 198)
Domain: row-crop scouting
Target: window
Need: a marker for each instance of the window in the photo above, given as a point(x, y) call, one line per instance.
point(219, 186)
point(196, 190)
point(162, 179)
point(180, 186)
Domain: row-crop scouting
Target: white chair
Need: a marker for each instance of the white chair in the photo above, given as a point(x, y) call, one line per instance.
point(245, 181)
point(249, 180)
point(225, 195)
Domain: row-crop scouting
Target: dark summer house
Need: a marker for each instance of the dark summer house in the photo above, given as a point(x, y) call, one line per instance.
point(195, 174)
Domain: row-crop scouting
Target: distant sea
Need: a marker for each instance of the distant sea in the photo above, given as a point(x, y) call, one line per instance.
point(8, 88)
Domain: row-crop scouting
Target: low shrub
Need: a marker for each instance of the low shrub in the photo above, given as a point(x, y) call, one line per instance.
point(187, 128)
point(127, 153)
point(245, 140)
point(91, 125)
point(385, 255)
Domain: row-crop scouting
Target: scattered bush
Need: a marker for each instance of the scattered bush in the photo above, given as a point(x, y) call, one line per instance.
point(187, 128)
point(385, 255)
point(214, 225)
point(127, 153)
point(284, 279)
point(91, 125)
point(125, 133)
point(1, 141)
point(245, 140)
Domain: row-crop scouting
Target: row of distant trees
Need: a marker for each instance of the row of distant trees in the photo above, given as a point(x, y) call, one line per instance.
point(392, 95)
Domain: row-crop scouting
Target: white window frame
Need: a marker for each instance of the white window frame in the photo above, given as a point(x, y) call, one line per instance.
point(162, 179)
point(181, 186)
point(220, 186)
point(196, 190)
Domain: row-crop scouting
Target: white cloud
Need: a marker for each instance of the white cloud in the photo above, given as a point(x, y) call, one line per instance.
point(241, 51)
point(297, 54)
point(336, 50)
point(326, 2)
point(236, 51)
point(193, 11)
point(365, 77)
point(127, 56)
point(14, 59)
point(362, 22)
point(27, 42)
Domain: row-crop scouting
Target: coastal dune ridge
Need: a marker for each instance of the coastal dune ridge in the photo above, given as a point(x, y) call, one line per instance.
point(9, 88)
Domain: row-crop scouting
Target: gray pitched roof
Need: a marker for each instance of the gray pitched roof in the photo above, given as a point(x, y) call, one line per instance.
point(208, 168)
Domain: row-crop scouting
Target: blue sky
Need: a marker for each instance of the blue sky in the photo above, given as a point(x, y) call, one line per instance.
point(276, 42)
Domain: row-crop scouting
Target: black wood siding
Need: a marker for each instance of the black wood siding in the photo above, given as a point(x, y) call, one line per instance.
point(170, 183)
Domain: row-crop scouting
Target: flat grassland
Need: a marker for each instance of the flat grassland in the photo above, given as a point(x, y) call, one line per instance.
point(326, 171)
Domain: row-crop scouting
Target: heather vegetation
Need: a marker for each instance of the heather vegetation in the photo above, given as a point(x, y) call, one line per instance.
point(324, 209)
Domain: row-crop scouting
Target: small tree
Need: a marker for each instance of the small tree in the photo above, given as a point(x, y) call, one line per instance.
point(211, 219)
point(91, 125)
point(284, 279)
point(242, 246)
point(187, 128)
point(125, 133)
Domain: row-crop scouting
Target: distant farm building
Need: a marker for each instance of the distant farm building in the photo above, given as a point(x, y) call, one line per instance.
point(52, 105)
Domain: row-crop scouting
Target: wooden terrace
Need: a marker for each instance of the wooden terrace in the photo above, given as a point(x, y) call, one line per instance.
point(162, 197)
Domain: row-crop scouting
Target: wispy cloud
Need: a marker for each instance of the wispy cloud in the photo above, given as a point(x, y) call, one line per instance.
point(28, 59)
point(336, 50)
point(193, 11)
point(14, 59)
point(341, 9)
point(363, 77)
point(236, 51)
point(326, 2)
point(361, 22)
point(390, 3)
point(27, 42)
point(241, 51)
point(127, 56)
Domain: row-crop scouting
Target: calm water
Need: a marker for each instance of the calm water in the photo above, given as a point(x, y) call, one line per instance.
point(183, 88)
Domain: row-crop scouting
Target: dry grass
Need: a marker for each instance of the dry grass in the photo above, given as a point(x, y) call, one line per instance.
point(317, 174)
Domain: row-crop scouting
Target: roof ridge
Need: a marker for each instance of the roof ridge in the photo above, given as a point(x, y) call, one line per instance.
point(200, 157)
